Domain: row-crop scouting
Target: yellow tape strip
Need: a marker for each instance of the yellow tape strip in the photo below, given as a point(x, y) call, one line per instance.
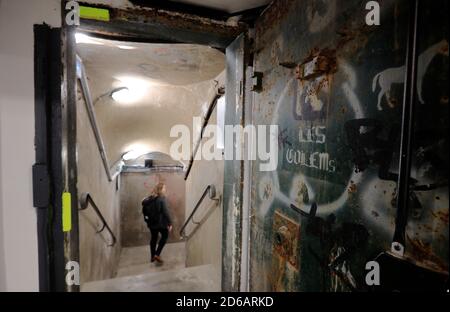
point(94, 13)
point(67, 212)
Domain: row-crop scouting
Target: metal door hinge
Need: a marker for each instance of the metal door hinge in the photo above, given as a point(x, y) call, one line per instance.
point(257, 81)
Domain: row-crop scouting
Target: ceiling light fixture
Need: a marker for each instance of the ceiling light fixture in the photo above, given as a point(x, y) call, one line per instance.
point(122, 94)
point(126, 47)
point(132, 89)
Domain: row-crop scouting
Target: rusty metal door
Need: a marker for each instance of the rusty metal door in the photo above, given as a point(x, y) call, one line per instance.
point(334, 85)
point(233, 170)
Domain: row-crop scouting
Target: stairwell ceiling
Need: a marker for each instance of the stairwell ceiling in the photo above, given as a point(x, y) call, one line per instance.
point(177, 83)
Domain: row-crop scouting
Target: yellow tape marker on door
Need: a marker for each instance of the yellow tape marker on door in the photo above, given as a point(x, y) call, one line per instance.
point(94, 13)
point(67, 212)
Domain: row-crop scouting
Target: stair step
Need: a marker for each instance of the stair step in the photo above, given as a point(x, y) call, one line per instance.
point(192, 279)
point(135, 260)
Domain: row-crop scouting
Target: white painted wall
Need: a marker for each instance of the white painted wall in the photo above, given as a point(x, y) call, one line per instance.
point(205, 244)
point(98, 261)
point(2, 249)
point(18, 234)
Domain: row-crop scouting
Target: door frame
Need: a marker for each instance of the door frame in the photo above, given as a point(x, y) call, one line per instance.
point(56, 116)
point(47, 171)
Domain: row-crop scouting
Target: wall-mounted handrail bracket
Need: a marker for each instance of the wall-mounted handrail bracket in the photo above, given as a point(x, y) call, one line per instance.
point(101, 230)
point(85, 200)
point(210, 190)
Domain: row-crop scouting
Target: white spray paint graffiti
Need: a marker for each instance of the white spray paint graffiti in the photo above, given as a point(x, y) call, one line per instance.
point(310, 95)
point(393, 75)
point(302, 192)
point(349, 86)
point(377, 197)
point(316, 160)
point(266, 191)
point(376, 202)
point(269, 186)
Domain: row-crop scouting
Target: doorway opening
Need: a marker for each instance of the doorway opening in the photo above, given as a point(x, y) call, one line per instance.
point(131, 97)
point(127, 79)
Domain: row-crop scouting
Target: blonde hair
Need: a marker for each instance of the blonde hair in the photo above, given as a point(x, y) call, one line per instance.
point(158, 189)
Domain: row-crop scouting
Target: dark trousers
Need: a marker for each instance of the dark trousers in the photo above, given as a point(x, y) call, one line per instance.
point(154, 240)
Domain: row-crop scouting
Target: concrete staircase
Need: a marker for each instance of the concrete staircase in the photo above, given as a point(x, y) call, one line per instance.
point(136, 273)
point(136, 260)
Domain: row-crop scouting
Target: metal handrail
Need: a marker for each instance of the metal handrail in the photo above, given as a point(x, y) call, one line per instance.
point(81, 73)
point(211, 191)
point(85, 199)
point(220, 92)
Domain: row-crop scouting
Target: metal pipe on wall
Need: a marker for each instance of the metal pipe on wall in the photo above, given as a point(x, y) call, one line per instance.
point(406, 142)
point(81, 74)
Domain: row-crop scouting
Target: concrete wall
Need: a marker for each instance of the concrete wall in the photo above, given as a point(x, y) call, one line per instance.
point(18, 238)
point(97, 260)
point(204, 245)
point(134, 188)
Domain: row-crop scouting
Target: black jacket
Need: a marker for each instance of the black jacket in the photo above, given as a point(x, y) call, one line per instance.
point(156, 213)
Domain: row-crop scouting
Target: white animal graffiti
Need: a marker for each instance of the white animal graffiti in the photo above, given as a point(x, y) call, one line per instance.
point(397, 74)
